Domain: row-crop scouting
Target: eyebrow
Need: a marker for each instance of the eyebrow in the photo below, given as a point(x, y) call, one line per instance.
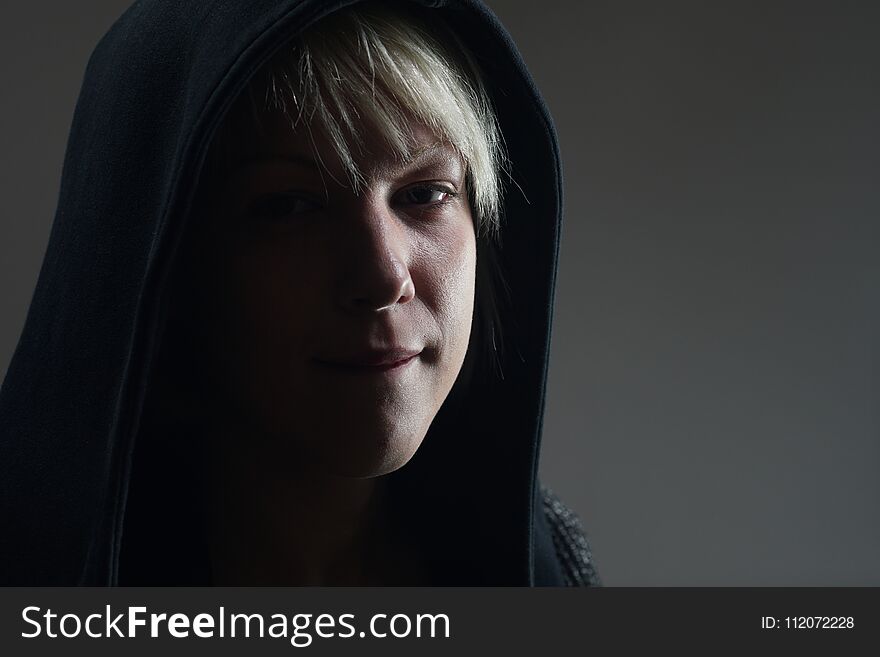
point(442, 150)
point(430, 148)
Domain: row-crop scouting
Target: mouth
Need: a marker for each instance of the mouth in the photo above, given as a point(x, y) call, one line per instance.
point(372, 361)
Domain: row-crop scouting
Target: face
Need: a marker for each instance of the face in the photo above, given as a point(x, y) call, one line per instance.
point(335, 322)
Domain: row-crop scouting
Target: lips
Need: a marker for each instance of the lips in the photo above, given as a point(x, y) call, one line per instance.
point(372, 359)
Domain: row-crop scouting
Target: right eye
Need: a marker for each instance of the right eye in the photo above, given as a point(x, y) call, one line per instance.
point(280, 205)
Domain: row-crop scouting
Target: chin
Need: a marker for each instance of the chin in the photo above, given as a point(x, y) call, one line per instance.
point(365, 454)
point(366, 437)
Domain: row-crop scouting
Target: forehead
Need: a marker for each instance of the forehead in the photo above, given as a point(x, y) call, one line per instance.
point(273, 137)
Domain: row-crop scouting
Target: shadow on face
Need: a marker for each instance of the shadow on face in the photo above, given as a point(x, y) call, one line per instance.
point(330, 323)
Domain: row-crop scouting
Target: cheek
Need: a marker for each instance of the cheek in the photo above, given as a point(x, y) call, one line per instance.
point(268, 296)
point(260, 300)
point(447, 283)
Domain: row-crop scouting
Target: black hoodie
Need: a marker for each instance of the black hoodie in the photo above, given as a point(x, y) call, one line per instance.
point(72, 404)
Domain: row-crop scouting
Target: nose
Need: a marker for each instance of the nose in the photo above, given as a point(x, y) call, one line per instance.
point(376, 275)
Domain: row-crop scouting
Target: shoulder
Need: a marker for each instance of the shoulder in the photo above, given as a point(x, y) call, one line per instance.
point(570, 541)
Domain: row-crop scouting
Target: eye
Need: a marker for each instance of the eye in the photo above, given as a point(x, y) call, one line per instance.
point(280, 205)
point(426, 194)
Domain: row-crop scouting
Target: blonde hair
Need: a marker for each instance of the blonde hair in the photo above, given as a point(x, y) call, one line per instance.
point(380, 69)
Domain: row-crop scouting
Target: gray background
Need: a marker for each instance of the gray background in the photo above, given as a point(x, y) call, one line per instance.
point(712, 409)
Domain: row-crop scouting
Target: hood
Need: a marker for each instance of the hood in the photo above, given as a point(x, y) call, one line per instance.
point(72, 404)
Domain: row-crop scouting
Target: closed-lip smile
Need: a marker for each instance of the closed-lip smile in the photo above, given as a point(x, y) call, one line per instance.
point(372, 360)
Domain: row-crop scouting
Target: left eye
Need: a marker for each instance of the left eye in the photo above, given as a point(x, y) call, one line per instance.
point(426, 195)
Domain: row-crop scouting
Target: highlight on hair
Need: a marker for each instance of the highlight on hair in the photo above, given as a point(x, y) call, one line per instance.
point(383, 70)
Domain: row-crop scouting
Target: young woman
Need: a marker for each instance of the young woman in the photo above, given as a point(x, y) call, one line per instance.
point(293, 323)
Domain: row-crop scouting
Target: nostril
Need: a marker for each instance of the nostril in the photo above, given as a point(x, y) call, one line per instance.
point(380, 288)
point(408, 290)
